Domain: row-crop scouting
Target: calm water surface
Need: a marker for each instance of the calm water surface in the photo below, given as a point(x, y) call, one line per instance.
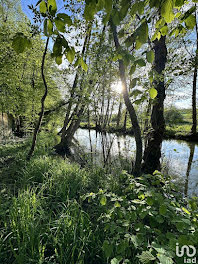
point(179, 157)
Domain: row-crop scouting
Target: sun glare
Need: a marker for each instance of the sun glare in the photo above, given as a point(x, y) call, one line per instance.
point(117, 87)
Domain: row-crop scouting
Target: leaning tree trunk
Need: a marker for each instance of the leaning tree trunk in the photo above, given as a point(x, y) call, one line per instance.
point(194, 93)
point(130, 108)
point(36, 130)
point(152, 153)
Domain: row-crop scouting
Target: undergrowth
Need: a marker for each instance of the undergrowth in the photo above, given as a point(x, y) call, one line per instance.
point(53, 211)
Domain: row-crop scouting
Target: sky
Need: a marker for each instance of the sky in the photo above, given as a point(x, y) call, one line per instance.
point(28, 12)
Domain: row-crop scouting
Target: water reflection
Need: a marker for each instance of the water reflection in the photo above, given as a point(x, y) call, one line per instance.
point(180, 158)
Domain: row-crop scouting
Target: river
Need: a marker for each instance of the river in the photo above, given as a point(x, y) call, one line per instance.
point(179, 158)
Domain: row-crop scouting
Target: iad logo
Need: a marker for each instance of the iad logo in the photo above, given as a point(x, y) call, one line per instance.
point(190, 252)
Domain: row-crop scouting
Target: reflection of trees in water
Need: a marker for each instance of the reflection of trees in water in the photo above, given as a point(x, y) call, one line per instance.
point(190, 161)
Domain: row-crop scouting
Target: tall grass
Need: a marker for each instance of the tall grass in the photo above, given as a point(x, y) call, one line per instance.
point(54, 211)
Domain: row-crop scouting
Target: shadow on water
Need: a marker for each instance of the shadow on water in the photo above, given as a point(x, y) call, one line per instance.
point(179, 158)
point(190, 161)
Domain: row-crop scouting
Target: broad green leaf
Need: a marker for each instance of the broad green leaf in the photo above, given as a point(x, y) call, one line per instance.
point(163, 209)
point(154, 3)
point(190, 22)
point(140, 62)
point(45, 27)
point(43, 7)
point(142, 33)
point(52, 7)
point(83, 65)
point(153, 93)
point(146, 257)
point(107, 248)
point(150, 55)
point(59, 60)
point(150, 201)
point(167, 10)
point(103, 200)
point(50, 27)
point(160, 23)
point(117, 204)
point(89, 11)
point(157, 35)
point(20, 43)
point(140, 7)
point(133, 83)
point(58, 44)
point(70, 55)
point(108, 6)
point(179, 3)
point(164, 259)
point(164, 30)
point(132, 70)
point(116, 17)
point(115, 261)
point(67, 19)
point(60, 24)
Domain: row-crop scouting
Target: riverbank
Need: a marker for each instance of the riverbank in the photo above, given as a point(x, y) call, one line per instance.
point(170, 132)
point(53, 211)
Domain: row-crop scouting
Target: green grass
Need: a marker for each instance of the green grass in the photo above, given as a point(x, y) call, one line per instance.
point(53, 211)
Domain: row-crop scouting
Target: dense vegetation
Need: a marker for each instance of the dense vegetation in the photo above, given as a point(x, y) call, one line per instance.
point(109, 65)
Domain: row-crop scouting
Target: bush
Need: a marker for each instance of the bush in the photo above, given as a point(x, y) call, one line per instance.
point(173, 116)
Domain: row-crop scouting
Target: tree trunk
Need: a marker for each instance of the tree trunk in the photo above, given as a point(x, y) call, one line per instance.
point(130, 108)
point(152, 153)
point(194, 93)
point(119, 114)
point(125, 121)
point(36, 130)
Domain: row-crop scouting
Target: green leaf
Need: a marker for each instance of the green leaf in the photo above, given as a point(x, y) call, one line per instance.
point(60, 24)
point(179, 3)
point(164, 30)
point(43, 7)
point(142, 33)
point(50, 27)
point(133, 83)
point(59, 59)
point(45, 27)
point(90, 10)
point(146, 257)
point(103, 200)
point(115, 261)
point(185, 210)
point(83, 65)
point(140, 62)
point(150, 201)
point(163, 209)
point(190, 22)
point(164, 259)
point(150, 56)
point(167, 10)
point(132, 70)
point(52, 7)
point(58, 46)
point(20, 43)
point(116, 17)
point(108, 6)
point(70, 54)
point(117, 204)
point(107, 248)
point(153, 93)
point(67, 19)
